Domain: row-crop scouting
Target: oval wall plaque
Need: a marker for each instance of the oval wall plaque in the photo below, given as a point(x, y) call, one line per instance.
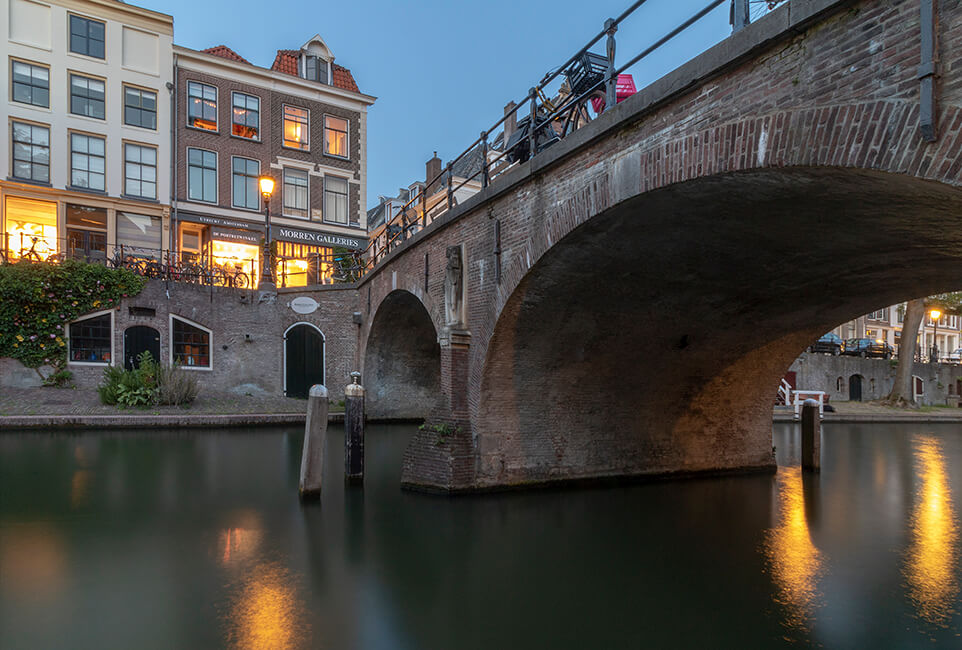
point(303, 305)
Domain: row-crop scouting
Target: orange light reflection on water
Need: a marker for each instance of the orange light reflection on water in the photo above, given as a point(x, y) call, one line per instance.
point(932, 556)
point(793, 560)
point(267, 612)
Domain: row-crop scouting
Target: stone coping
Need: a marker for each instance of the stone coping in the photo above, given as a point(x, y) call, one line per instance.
point(171, 421)
point(926, 417)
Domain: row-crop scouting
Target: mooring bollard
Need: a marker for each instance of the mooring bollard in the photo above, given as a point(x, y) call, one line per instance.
point(315, 433)
point(354, 431)
point(811, 437)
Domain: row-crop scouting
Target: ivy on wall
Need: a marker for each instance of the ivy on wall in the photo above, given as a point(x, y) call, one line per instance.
point(38, 301)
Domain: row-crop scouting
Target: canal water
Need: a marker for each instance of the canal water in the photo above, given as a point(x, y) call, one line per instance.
point(197, 540)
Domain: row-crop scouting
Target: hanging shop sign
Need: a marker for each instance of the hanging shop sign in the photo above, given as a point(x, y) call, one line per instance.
point(316, 238)
point(220, 221)
point(303, 305)
point(235, 235)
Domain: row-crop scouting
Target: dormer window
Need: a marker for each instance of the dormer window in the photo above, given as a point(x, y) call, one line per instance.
point(315, 69)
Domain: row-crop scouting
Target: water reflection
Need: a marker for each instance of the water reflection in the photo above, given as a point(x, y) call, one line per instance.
point(267, 611)
point(794, 561)
point(932, 556)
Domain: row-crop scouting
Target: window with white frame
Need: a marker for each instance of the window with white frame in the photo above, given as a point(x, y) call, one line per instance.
point(140, 171)
point(202, 175)
point(335, 136)
point(30, 84)
point(140, 108)
point(87, 96)
point(190, 344)
point(201, 106)
point(881, 314)
point(296, 128)
point(296, 192)
point(31, 152)
point(87, 162)
point(245, 192)
point(90, 339)
point(246, 116)
point(335, 199)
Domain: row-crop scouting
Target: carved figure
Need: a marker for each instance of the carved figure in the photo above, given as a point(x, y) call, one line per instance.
point(454, 287)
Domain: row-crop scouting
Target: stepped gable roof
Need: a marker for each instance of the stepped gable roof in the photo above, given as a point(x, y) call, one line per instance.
point(225, 52)
point(286, 62)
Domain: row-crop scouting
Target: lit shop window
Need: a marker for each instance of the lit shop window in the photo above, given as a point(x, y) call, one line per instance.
point(201, 106)
point(90, 340)
point(190, 344)
point(31, 225)
point(235, 258)
point(300, 265)
point(296, 123)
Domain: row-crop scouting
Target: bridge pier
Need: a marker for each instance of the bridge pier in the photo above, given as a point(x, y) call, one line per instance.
point(440, 457)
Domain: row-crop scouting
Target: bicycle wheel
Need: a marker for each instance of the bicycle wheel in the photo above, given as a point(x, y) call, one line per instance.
point(241, 281)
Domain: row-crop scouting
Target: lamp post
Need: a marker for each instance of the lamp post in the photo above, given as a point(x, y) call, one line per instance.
point(935, 315)
point(266, 184)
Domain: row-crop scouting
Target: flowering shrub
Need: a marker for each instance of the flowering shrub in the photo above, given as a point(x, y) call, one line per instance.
point(38, 301)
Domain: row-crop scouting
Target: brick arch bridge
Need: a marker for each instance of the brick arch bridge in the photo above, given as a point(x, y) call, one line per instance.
point(658, 270)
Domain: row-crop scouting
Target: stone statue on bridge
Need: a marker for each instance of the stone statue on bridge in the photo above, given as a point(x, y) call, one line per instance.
point(454, 289)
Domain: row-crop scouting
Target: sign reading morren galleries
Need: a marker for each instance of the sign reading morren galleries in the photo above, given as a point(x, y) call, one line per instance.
point(296, 235)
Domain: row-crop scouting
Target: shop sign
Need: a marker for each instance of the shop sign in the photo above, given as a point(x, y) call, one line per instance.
point(317, 238)
point(235, 235)
point(220, 221)
point(303, 305)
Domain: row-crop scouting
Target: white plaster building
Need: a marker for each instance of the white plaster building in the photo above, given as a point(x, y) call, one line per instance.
point(85, 162)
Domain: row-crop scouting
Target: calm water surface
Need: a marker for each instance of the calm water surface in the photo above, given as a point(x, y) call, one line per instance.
point(197, 540)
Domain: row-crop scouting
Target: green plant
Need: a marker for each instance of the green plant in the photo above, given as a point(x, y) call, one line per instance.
point(135, 396)
point(59, 379)
point(442, 430)
point(38, 301)
point(175, 386)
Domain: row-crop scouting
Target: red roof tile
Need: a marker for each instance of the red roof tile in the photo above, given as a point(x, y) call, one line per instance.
point(226, 53)
point(286, 62)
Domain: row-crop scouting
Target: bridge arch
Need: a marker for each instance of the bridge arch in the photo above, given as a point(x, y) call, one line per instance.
point(402, 359)
point(650, 338)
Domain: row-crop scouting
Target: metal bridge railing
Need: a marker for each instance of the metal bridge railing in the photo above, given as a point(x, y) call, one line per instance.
point(587, 75)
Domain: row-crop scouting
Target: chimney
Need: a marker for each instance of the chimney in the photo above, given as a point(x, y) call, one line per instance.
point(511, 123)
point(432, 169)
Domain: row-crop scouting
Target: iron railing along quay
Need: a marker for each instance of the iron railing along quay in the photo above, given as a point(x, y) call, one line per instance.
point(587, 74)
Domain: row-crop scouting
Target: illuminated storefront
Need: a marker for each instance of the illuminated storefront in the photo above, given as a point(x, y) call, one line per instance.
point(306, 257)
point(30, 228)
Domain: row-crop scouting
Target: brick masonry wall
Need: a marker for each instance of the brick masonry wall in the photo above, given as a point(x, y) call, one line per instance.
point(830, 106)
point(268, 148)
point(239, 365)
point(831, 374)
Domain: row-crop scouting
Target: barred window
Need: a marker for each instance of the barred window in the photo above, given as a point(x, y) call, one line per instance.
point(190, 344)
point(90, 340)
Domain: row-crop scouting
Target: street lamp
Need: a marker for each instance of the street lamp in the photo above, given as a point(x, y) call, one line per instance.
point(266, 184)
point(935, 315)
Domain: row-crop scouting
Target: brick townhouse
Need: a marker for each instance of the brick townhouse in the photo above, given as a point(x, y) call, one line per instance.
point(303, 121)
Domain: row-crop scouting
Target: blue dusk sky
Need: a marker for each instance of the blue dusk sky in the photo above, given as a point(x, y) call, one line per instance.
point(442, 71)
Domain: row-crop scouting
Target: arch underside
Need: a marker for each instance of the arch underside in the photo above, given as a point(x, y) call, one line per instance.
point(651, 339)
point(402, 361)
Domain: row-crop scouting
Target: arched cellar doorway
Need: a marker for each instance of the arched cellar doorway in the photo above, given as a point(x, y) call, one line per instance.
point(303, 359)
point(137, 340)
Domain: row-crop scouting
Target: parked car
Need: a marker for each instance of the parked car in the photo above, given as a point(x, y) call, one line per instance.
point(829, 343)
point(955, 356)
point(868, 348)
